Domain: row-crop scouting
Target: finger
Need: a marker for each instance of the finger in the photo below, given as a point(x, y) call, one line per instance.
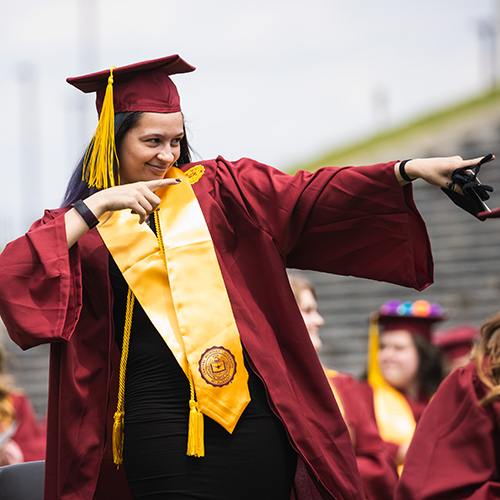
point(157, 184)
point(138, 209)
point(454, 187)
point(475, 161)
point(146, 205)
point(152, 200)
point(470, 163)
point(142, 217)
point(487, 159)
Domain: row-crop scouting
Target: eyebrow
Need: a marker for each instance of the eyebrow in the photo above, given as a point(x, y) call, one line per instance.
point(159, 134)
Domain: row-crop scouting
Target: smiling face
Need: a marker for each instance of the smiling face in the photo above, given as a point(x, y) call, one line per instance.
point(399, 361)
point(150, 148)
point(312, 318)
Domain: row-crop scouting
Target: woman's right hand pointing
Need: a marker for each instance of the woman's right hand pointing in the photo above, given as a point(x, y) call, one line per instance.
point(139, 197)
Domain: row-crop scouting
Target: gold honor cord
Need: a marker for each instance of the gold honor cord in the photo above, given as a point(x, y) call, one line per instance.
point(119, 418)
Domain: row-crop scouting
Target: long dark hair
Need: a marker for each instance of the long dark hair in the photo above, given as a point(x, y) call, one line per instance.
point(431, 367)
point(77, 188)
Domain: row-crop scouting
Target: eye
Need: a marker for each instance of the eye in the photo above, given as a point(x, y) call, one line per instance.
point(154, 140)
point(176, 141)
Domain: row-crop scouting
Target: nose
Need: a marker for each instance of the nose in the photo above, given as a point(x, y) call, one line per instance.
point(385, 354)
point(166, 156)
point(319, 320)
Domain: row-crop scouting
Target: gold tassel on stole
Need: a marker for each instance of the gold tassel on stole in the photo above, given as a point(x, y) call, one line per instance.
point(196, 432)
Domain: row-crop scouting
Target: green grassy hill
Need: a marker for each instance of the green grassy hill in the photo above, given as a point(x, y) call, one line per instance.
point(418, 137)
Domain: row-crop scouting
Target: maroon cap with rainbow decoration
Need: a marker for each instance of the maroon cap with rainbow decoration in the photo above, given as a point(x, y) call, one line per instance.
point(417, 317)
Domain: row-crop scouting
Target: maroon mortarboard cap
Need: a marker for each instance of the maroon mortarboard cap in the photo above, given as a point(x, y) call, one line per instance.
point(490, 215)
point(144, 86)
point(456, 342)
point(416, 317)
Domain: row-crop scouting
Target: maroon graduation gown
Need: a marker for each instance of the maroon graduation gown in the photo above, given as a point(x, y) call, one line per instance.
point(454, 454)
point(417, 407)
point(375, 466)
point(351, 221)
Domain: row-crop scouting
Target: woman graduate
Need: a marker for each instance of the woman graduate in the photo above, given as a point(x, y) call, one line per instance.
point(454, 453)
point(199, 303)
point(404, 369)
point(376, 468)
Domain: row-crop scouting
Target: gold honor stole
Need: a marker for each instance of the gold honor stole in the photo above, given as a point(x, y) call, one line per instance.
point(394, 416)
point(185, 297)
point(329, 375)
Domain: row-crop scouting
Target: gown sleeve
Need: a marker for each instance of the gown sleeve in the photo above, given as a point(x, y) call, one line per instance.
point(454, 452)
point(352, 221)
point(40, 284)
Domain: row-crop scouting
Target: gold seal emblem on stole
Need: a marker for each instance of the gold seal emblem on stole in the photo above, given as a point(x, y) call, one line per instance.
point(217, 366)
point(194, 173)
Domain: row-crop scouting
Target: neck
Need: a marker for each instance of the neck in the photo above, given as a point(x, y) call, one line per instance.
point(412, 391)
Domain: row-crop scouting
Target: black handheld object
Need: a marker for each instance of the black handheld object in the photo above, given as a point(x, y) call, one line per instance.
point(474, 193)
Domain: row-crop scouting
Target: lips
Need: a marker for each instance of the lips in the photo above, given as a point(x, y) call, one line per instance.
point(159, 169)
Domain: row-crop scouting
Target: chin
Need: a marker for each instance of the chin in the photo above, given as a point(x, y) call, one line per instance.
point(392, 379)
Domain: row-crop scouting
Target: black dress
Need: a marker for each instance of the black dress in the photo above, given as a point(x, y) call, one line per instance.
point(255, 462)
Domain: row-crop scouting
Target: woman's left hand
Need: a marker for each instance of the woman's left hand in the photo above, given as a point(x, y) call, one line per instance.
point(436, 171)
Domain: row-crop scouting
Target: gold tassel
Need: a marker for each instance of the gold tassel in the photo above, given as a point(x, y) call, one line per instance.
point(375, 378)
point(101, 152)
point(196, 446)
point(118, 425)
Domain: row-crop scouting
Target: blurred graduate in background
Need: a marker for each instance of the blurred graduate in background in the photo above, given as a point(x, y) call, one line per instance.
point(404, 369)
point(375, 466)
point(456, 344)
point(454, 453)
point(22, 437)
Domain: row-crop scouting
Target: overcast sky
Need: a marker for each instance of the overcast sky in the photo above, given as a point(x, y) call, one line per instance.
point(277, 80)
